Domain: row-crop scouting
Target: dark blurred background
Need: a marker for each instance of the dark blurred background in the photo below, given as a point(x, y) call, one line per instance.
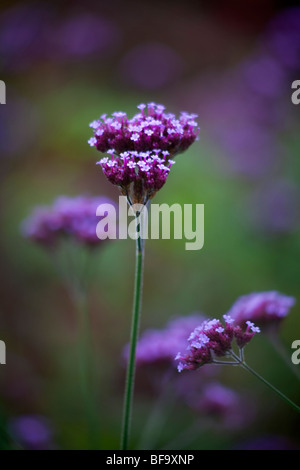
point(233, 64)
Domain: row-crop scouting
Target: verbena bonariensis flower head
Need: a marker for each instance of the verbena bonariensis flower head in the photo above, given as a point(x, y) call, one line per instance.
point(212, 340)
point(73, 217)
point(140, 149)
point(265, 308)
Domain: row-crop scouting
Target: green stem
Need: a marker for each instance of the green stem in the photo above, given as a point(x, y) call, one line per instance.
point(85, 369)
point(128, 398)
point(253, 372)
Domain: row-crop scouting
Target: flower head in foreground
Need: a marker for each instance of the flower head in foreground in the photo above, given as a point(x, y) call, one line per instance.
point(140, 149)
point(66, 217)
point(212, 340)
point(155, 352)
point(265, 308)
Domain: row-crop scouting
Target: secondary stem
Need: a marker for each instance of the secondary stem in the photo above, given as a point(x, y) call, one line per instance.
point(253, 372)
point(284, 397)
point(128, 399)
point(85, 368)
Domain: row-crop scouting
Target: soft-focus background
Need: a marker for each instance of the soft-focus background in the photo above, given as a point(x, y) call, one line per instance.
point(64, 64)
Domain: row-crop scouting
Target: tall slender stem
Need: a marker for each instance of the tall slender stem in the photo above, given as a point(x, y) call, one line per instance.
point(129, 388)
point(253, 372)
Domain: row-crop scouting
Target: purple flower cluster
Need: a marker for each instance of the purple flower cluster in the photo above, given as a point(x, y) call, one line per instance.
point(150, 168)
point(212, 339)
point(149, 130)
point(155, 358)
point(73, 217)
point(81, 35)
point(140, 149)
point(265, 308)
point(217, 398)
point(232, 410)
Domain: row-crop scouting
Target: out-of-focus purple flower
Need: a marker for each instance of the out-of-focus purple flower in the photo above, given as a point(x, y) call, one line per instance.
point(250, 148)
point(241, 123)
point(206, 395)
point(250, 109)
point(274, 208)
point(283, 37)
point(140, 149)
point(151, 66)
point(157, 346)
point(215, 400)
point(213, 340)
point(155, 353)
point(84, 35)
point(34, 432)
point(73, 217)
point(17, 133)
point(22, 34)
point(255, 71)
point(265, 308)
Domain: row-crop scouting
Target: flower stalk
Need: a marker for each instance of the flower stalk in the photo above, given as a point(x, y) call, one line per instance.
point(140, 153)
point(211, 341)
point(245, 366)
point(130, 377)
point(240, 361)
